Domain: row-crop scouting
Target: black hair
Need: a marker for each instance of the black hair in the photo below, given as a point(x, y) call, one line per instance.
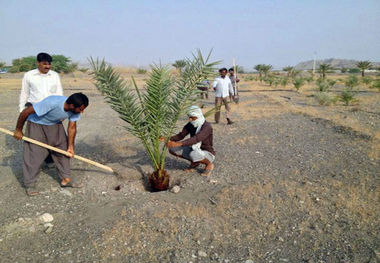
point(222, 69)
point(231, 69)
point(78, 99)
point(44, 57)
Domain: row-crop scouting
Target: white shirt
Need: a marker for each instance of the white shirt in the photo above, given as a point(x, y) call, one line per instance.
point(37, 86)
point(223, 87)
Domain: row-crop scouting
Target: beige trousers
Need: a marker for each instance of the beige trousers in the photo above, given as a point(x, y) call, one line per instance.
point(218, 105)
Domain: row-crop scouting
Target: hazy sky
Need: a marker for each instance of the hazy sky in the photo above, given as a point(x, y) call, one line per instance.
point(277, 32)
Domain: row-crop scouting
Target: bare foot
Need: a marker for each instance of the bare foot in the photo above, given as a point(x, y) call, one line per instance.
point(208, 169)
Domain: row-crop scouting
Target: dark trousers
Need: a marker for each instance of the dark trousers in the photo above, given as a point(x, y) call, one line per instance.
point(48, 159)
point(35, 155)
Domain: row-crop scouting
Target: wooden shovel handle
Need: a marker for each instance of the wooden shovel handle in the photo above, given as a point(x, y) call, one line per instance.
point(104, 167)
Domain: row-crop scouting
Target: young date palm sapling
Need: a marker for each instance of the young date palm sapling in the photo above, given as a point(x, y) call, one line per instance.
point(154, 113)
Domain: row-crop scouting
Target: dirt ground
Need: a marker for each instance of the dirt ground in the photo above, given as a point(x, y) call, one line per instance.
point(293, 182)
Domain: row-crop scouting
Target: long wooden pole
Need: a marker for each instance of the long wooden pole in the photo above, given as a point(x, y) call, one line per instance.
point(104, 167)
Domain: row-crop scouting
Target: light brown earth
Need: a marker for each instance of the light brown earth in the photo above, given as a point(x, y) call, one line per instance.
point(293, 182)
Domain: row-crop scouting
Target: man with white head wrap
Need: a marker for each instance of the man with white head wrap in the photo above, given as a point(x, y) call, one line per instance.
point(198, 149)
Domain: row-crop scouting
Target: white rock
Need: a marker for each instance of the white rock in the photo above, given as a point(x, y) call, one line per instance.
point(213, 181)
point(202, 254)
point(66, 192)
point(46, 218)
point(249, 261)
point(176, 189)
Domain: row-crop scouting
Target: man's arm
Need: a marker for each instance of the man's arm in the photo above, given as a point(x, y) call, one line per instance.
point(231, 89)
point(174, 141)
point(214, 84)
point(21, 121)
point(71, 131)
point(24, 93)
point(59, 86)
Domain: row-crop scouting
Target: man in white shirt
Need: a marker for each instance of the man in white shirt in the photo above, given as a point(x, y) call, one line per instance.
point(39, 83)
point(223, 88)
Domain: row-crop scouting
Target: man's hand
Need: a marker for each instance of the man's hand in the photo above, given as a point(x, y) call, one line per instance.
point(173, 144)
point(18, 134)
point(161, 139)
point(71, 151)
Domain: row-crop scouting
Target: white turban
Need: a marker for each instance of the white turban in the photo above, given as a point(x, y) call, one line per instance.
point(195, 111)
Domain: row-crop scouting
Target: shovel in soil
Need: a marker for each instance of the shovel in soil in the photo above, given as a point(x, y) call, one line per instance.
point(104, 167)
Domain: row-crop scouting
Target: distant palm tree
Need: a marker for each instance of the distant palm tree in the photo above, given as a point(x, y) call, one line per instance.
point(179, 64)
point(266, 69)
point(259, 69)
point(324, 68)
point(363, 65)
point(288, 70)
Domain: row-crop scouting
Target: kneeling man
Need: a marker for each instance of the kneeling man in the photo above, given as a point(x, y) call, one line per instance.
point(45, 125)
point(198, 148)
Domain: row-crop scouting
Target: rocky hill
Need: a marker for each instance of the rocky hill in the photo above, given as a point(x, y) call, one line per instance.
point(336, 63)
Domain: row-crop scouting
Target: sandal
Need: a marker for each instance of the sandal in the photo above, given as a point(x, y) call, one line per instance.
point(31, 191)
point(67, 182)
point(191, 167)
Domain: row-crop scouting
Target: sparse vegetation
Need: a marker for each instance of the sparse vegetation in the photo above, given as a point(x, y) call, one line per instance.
point(141, 71)
point(60, 64)
point(363, 65)
point(84, 70)
point(347, 96)
point(298, 83)
point(324, 98)
point(324, 69)
point(376, 84)
point(366, 80)
point(351, 82)
point(179, 65)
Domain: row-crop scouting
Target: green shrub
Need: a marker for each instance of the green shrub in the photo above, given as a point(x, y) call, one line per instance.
point(284, 81)
point(366, 80)
point(376, 84)
point(84, 70)
point(347, 96)
point(354, 70)
point(324, 98)
point(141, 71)
point(352, 81)
point(60, 64)
point(249, 78)
point(298, 83)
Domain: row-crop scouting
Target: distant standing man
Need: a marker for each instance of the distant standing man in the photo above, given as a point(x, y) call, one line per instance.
point(223, 88)
point(45, 125)
point(38, 84)
point(234, 81)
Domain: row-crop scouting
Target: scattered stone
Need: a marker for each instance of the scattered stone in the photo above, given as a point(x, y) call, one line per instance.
point(1, 240)
point(202, 254)
point(104, 193)
point(249, 261)
point(48, 228)
point(20, 220)
point(66, 192)
point(54, 189)
point(213, 181)
point(175, 189)
point(46, 218)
